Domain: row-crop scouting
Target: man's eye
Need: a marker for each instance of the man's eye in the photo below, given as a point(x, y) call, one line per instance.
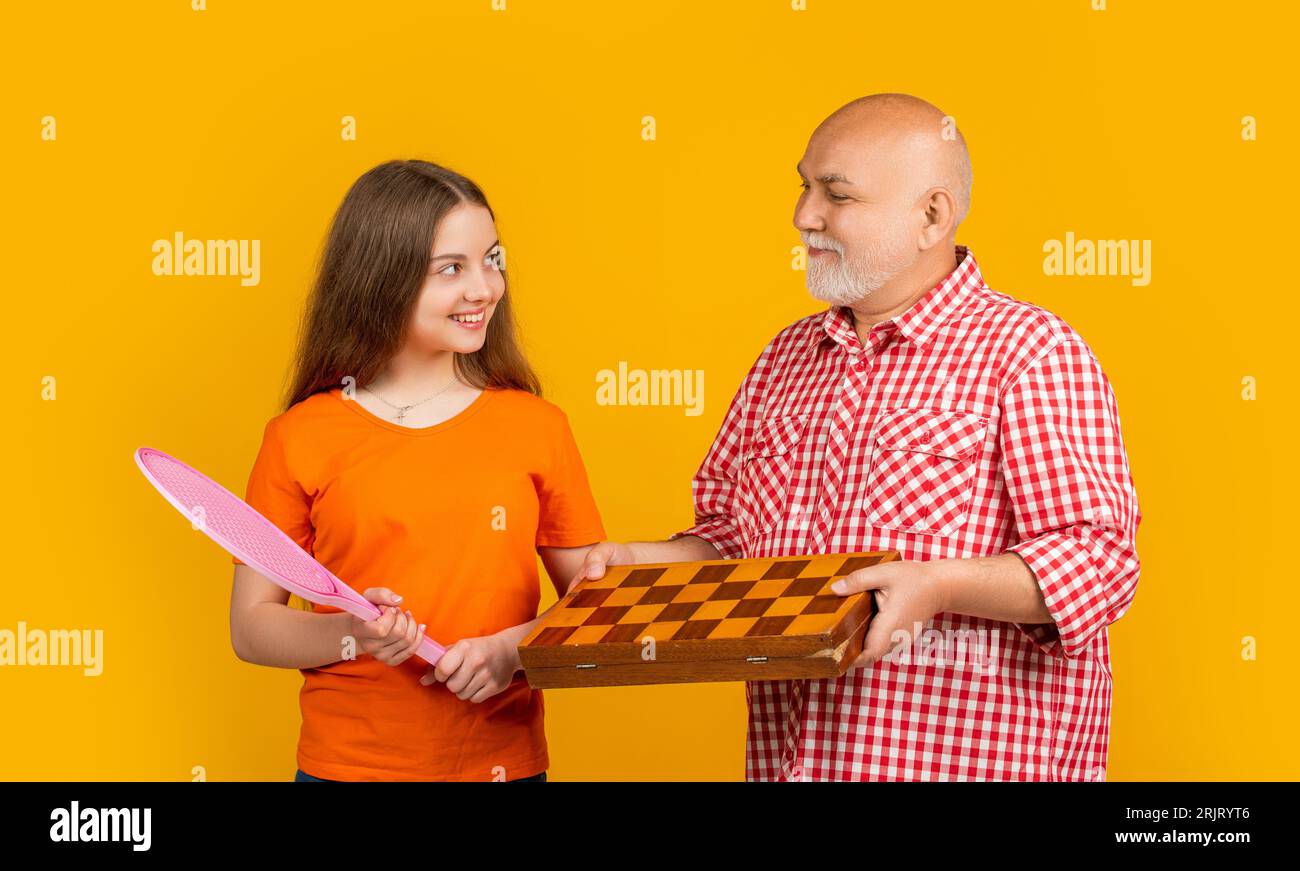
point(835, 198)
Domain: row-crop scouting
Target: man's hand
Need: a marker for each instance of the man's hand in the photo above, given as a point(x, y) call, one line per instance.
point(908, 593)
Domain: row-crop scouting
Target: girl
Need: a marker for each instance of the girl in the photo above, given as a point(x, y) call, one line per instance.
point(416, 460)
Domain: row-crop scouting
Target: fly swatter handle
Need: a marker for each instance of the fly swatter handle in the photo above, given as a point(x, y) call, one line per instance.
point(429, 650)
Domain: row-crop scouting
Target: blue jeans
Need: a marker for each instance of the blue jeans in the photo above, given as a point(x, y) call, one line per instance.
point(303, 777)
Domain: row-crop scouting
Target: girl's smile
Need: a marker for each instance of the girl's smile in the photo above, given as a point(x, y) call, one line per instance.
point(473, 319)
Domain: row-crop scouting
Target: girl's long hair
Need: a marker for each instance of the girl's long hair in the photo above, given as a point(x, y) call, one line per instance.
point(375, 261)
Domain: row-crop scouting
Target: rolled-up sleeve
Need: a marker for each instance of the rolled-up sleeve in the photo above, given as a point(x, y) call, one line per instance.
point(1069, 482)
point(713, 487)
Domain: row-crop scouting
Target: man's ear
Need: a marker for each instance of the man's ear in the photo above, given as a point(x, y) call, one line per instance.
point(939, 218)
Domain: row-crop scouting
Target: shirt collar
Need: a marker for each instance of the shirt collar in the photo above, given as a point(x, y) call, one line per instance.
point(919, 323)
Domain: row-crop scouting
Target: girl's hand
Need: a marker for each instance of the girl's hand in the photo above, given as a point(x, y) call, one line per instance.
point(476, 669)
point(392, 637)
point(606, 553)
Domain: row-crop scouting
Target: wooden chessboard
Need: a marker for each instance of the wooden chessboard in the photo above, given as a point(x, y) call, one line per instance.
point(716, 620)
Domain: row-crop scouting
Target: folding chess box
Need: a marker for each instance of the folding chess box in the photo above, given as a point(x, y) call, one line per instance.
point(716, 620)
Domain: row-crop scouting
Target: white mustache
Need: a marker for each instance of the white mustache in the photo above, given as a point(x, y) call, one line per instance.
point(816, 240)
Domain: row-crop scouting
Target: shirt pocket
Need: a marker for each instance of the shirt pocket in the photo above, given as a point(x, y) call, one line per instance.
point(765, 473)
point(922, 472)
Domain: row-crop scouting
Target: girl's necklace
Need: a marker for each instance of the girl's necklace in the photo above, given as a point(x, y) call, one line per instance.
point(403, 409)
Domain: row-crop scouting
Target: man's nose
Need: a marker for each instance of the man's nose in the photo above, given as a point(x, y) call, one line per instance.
point(807, 217)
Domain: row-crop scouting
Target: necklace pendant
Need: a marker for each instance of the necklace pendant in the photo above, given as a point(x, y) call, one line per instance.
point(401, 414)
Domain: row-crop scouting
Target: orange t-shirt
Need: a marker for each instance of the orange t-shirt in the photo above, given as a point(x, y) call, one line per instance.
point(449, 517)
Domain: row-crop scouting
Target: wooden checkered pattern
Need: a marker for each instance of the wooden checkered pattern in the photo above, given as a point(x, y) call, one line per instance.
point(699, 611)
point(720, 600)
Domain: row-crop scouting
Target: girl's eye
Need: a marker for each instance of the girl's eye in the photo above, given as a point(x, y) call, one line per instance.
point(443, 270)
point(494, 259)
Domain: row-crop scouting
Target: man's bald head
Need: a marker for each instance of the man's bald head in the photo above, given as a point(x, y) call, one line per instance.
point(924, 145)
point(886, 181)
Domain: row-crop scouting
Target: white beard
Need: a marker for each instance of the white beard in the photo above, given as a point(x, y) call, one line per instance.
point(834, 279)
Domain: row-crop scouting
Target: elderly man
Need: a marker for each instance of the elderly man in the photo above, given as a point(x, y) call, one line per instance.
point(926, 413)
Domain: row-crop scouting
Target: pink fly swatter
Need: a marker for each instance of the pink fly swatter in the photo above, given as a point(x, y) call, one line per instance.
point(242, 532)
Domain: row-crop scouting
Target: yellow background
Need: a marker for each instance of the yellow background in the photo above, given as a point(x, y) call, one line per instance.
point(225, 123)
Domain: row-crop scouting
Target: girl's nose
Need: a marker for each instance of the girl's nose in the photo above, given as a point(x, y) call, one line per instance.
point(479, 289)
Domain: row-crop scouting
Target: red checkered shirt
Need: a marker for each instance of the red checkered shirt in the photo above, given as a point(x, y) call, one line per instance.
point(971, 425)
